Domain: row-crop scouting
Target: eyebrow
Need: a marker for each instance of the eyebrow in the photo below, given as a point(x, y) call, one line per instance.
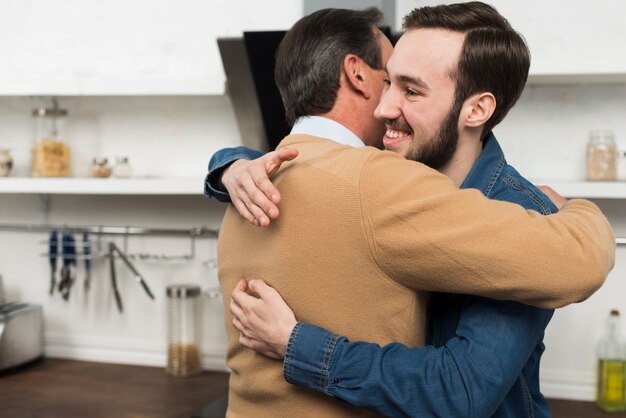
point(403, 78)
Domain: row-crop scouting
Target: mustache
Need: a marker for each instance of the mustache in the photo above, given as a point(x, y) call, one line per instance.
point(398, 124)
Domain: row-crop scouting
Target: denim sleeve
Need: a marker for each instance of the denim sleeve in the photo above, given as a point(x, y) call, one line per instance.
point(469, 376)
point(220, 161)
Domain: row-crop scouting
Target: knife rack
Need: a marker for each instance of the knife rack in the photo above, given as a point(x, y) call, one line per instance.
point(120, 231)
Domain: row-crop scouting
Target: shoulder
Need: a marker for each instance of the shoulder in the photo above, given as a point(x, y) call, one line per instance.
point(511, 186)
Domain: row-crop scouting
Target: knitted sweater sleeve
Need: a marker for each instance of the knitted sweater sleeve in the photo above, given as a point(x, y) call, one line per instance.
point(427, 234)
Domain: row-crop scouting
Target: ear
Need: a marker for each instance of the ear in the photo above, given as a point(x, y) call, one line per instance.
point(477, 109)
point(355, 74)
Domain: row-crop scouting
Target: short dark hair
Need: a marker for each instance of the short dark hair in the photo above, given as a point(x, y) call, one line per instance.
point(310, 57)
point(494, 58)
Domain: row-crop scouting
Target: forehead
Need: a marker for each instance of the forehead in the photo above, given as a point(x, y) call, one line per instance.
point(430, 54)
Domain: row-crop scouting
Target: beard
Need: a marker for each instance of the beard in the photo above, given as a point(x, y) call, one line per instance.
point(438, 150)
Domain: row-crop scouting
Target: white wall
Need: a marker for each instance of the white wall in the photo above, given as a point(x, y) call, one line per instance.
point(163, 137)
point(544, 137)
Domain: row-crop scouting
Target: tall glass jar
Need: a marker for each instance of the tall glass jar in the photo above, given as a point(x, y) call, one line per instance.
point(601, 156)
point(183, 330)
point(51, 156)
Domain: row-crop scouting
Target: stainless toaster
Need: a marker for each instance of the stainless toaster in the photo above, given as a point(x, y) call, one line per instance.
point(21, 334)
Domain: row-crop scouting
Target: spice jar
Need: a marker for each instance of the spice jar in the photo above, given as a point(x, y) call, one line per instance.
point(601, 156)
point(100, 168)
point(51, 156)
point(122, 168)
point(183, 329)
point(6, 162)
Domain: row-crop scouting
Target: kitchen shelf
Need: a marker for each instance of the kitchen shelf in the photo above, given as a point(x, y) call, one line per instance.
point(587, 189)
point(95, 186)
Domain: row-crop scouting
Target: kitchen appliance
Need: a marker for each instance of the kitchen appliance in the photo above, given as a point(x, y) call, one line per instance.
point(21, 334)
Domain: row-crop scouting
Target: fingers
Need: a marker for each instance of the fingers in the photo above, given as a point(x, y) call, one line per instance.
point(273, 162)
point(253, 200)
point(261, 289)
point(250, 188)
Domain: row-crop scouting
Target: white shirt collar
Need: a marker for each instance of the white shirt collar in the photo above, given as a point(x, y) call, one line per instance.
point(326, 128)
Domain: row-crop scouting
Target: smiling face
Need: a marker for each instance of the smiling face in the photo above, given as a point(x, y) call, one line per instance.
point(417, 101)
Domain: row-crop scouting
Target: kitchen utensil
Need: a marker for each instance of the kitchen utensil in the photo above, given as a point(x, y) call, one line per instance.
point(116, 293)
point(132, 268)
point(87, 257)
point(21, 334)
point(69, 263)
point(53, 252)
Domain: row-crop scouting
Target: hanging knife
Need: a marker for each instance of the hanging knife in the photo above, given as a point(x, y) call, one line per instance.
point(87, 257)
point(69, 260)
point(53, 248)
point(116, 293)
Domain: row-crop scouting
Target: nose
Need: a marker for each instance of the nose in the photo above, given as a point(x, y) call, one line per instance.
point(388, 108)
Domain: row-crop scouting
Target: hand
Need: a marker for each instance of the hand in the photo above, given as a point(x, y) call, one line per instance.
point(556, 198)
point(250, 188)
point(263, 318)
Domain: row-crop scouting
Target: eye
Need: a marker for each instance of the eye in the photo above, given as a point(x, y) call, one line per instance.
point(412, 93)
point(387, 81)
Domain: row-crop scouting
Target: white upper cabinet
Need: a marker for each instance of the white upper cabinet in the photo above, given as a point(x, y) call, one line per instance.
point(126, 47)
point(570, 41)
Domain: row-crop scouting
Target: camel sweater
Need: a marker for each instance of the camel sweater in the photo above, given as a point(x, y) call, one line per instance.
point(364, 234)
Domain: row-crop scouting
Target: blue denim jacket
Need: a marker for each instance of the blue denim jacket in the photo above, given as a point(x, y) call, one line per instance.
point(483, 355)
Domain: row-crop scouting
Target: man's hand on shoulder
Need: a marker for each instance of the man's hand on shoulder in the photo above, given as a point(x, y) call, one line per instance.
point(263, 318)
point(250, 189)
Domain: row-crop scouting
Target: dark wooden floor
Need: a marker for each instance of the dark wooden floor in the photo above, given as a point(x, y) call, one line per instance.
point(68, 389)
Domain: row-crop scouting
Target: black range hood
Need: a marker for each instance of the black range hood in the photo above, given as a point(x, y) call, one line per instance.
point(249, 67)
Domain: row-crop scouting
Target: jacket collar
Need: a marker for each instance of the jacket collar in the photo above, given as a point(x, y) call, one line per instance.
point(487, 168)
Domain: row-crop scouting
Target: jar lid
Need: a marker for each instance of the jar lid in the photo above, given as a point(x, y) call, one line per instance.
point(182, 291)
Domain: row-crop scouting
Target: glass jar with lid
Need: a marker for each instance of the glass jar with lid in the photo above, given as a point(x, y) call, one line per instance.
point(601, 156)
point(183, 330)
point(51, 155)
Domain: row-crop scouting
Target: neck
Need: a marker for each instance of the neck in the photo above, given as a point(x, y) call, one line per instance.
point(467, 152)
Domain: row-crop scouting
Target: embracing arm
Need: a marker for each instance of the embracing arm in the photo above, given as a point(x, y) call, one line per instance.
point(234, 178)
point(469, 376)
point(219, 162)
point(479, 246)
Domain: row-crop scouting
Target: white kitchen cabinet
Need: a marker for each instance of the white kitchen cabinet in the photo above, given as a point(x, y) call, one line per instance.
point(570, 42)
point(126, 47)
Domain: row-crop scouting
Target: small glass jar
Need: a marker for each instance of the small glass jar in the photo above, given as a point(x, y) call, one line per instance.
point(601, 156)
point(183, 330)
point(51, 156)
point(6, 162)
point(122, 168)
point(100, 168)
